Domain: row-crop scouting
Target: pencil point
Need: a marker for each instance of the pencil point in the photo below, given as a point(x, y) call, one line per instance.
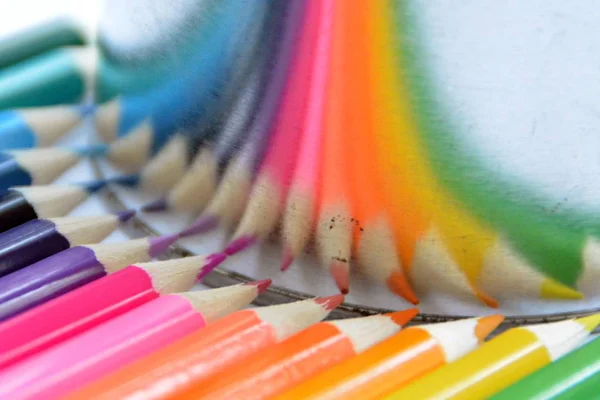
point(126, 180)
point(486, 325)
point(155, 206)
point(159, 245)
point(402, 317)
point(87, 109)
point(239, 244)
point(330, 303)
point(261, 286)
point(95, 150)
point(339, 271)
point(125, 215)
point(202, 224)
point(487, 300)
point(212, 261)
point(590, 322)
point(551, 289)
point(399, 285)
point(95, 186)
point(287, 258)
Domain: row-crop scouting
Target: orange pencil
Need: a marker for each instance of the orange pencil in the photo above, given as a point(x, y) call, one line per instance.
point(205, 353)
point(334, 228)
point(375, 245)
point(397, 360)
point(299, 357)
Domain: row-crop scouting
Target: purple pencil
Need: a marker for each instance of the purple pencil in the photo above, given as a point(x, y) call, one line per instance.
point(40, 238)
point(230, 198)
point(72, 268)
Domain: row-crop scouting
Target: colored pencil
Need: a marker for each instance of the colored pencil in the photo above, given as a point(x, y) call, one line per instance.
point(55, 77)
point(334, 226)
point(40, 166)
point(205, 353)
point(571, 376)
point(398, 360)
point(229, 201)
point(25, 203)
point(70, 269)
point(38, 39)
point(38, 127)
point(268, 194)
point(374, 241)
point(122, 340)
point(299, 357)
point(300, 210)
point(95, 303)
point(40, 238)
point(502, 361)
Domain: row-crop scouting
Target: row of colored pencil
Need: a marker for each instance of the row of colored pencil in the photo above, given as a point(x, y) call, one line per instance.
point(303, 135)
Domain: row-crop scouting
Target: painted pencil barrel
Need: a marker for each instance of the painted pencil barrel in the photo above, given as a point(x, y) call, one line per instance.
point(59, 76)
point(47, 279)
point(14, 209)
point(12, 173)
point(73, 313)
point(29, 243)
point(39, 39)
point(564, 378)
point(101, 350)
point(14, 132)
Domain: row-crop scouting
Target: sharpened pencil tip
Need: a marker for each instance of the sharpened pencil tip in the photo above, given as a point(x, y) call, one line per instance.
point(339, 271)
point(202, 224)
point(155, 206)
point(399, 285)
point(159, 245)
point(590, 322)
point(126, 180)
point(486, 325)
point(287, 259)
point(261, 285)
point(239, 244)
point(402, 317)
point(93, 187)
point(212, 261)
point(86, 109)
point(551, 289)
point(125, 215)
point(330, 302)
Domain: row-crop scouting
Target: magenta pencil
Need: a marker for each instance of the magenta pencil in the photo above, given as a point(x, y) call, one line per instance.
point(122, 340)
point(270, 189)
point(97, 302)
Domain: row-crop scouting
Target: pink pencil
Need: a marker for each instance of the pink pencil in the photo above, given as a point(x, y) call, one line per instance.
point(300, 211)
point(97, 302)
point(91, 355)
point(270, 189)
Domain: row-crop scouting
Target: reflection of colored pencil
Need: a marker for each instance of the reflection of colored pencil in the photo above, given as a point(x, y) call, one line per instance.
point(59, 76)
point(501, 361)
point(299, 357)
point(25, 203)
point(375, 245)
point(39, 38)
point(95, 303)
point(334, 228)
point(122, 340)
point(398, 360)
point(38, 127)
point(40, 238)
point(70, 269)
point(269, 192)
point(573, 376)
point(40, 166)
point(206, 353)
point(230, 198)
point(300, 212)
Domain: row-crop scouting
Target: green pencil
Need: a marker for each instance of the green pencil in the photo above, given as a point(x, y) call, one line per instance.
point(39, 39)
point(574, 376)
point(60, 76)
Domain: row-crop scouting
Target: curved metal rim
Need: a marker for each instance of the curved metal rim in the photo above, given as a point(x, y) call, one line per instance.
point(277, 295)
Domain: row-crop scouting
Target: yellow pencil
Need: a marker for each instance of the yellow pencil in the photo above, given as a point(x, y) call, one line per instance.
point(501, 362)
